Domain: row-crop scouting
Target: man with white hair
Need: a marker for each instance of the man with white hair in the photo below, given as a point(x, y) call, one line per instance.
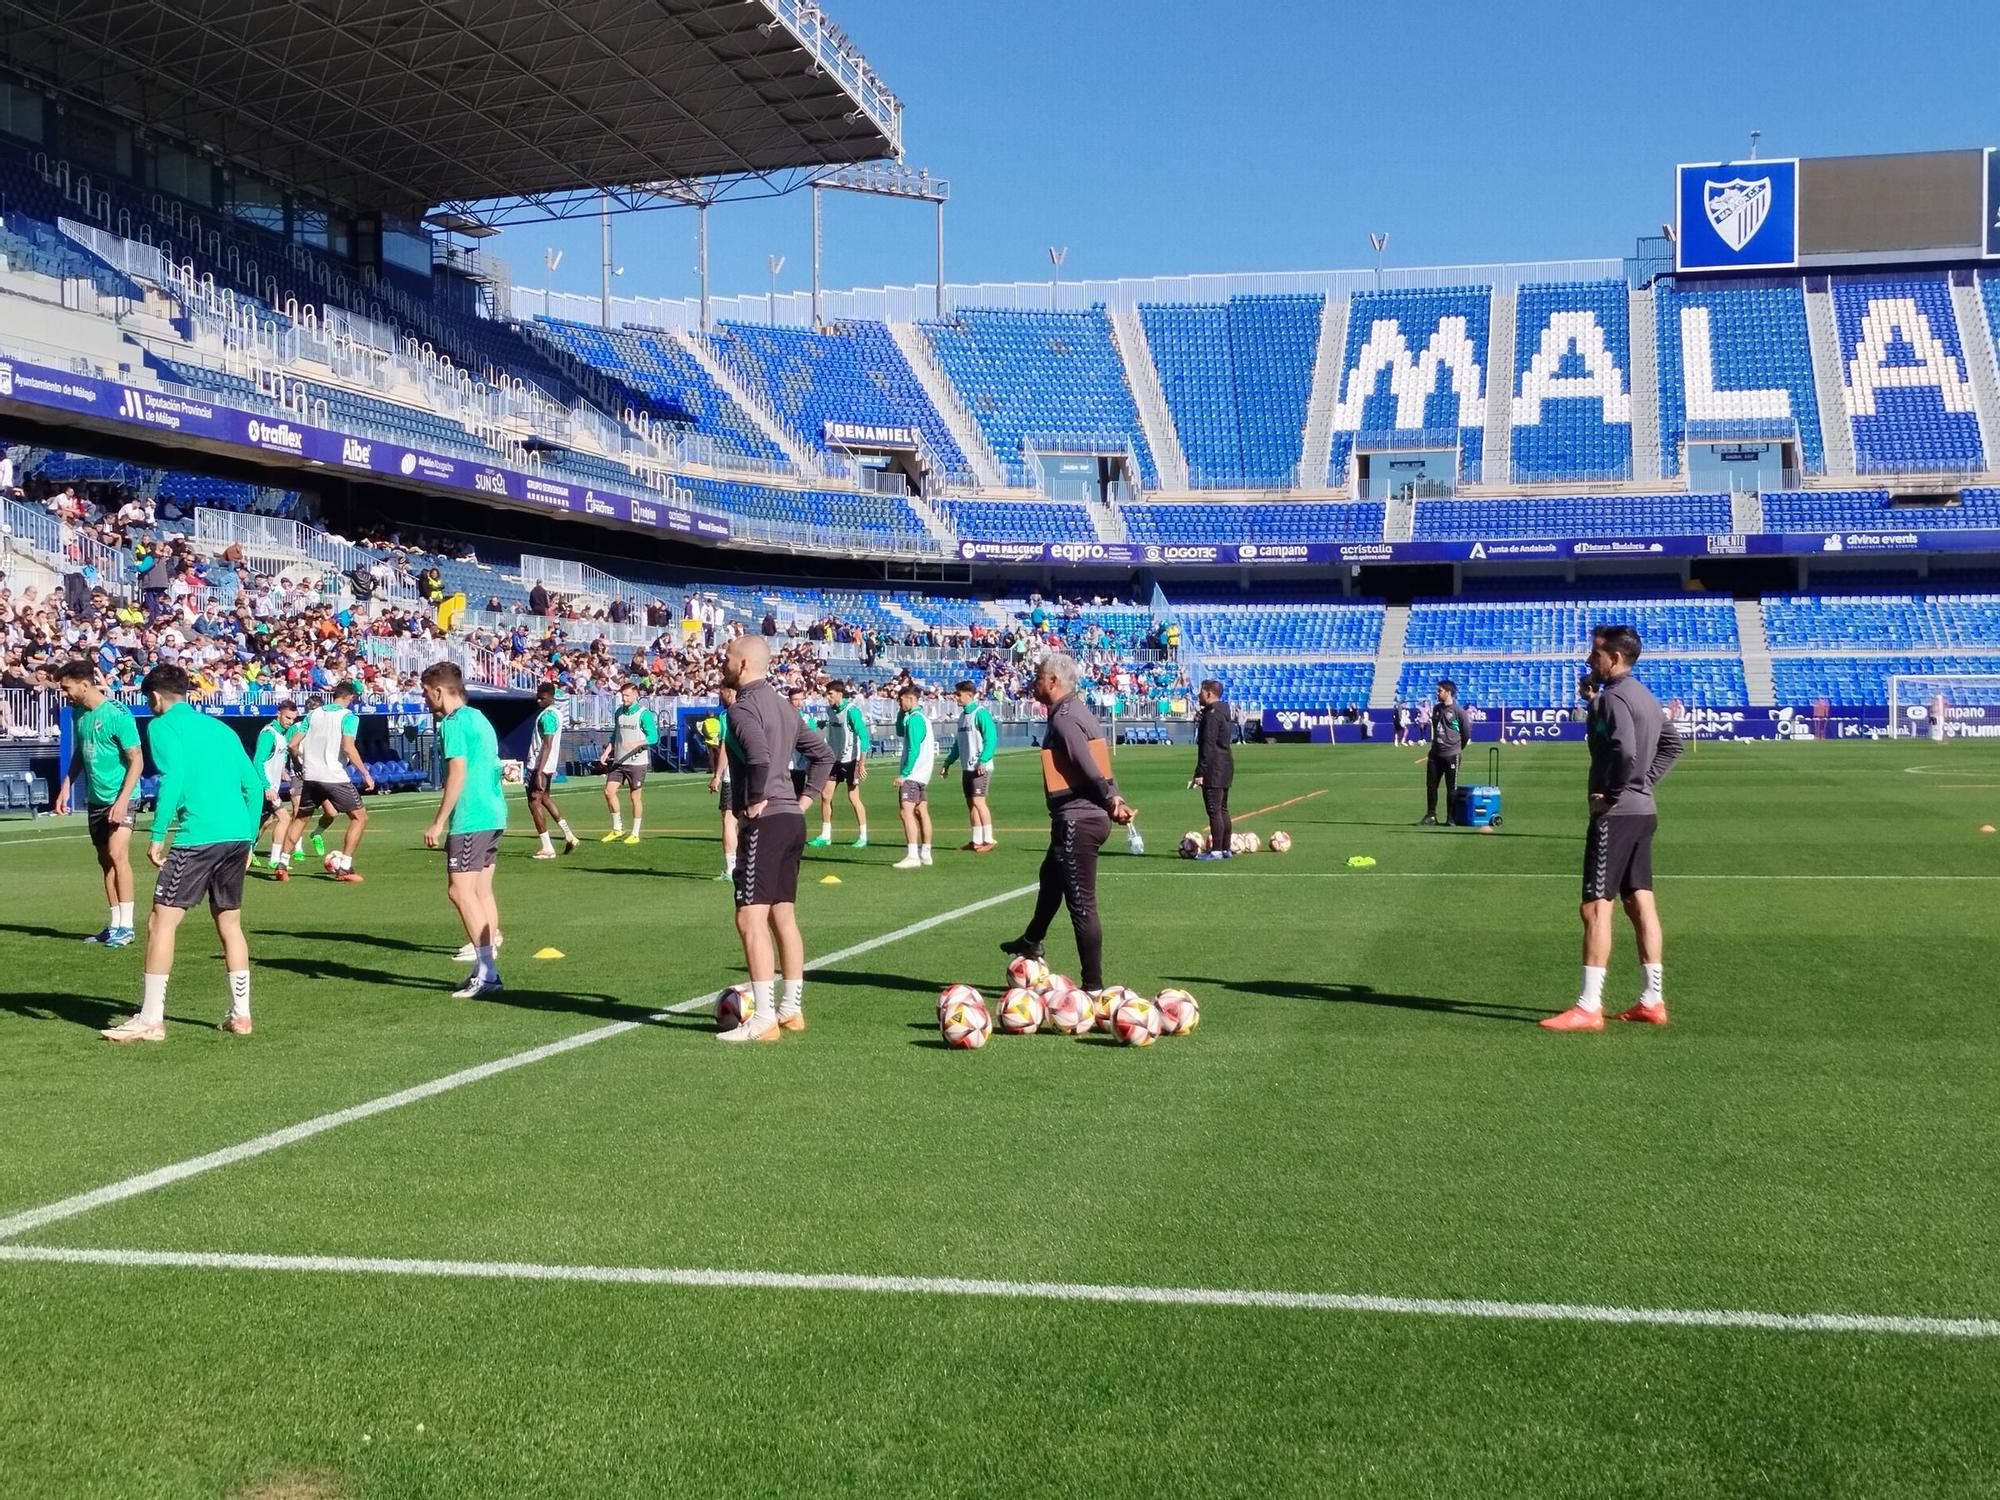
point(759, 740)
point(1083, 803)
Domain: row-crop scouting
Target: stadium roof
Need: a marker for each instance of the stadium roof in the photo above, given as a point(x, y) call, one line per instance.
point(404, 104)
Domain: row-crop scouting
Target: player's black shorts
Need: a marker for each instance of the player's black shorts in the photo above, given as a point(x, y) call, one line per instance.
point(195, 871)
point(101, 826)
point(342, 796)
point(976, 782)
point(1618, 856)
point(539, 782)
point(768, 850)
point(799, 775)
point(725, 800)
point(633, 775)
point(911, 792)
point(469, 853)
point(843, 773)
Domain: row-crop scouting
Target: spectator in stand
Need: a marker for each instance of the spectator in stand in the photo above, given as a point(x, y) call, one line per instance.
point(538, 599)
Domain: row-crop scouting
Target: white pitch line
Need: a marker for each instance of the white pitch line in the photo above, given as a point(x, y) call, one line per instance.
point(1361, 875)
point(1055, 1291)
point(146, 1182)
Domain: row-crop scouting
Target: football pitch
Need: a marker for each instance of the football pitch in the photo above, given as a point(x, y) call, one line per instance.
point(1367, 1231)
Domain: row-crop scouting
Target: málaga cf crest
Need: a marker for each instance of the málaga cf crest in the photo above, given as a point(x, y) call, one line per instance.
point(1737, 208)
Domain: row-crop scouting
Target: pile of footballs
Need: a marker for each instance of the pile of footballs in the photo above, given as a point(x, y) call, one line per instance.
point(1193, 843)
point(1037, 1000)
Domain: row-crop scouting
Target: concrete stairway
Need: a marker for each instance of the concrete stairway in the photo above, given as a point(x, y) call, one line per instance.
point(1757, 679)
point(1129, 335)
point(1643, 380)
point(1829, 384)
point(1389, 656)
point(986, 470)
point(1976, 339)
point(1497, 445)
point(1317, 450)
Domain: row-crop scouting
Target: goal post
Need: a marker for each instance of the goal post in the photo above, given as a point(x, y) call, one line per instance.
point(1944, 705)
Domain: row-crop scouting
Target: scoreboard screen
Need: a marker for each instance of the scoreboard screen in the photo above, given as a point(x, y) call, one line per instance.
point(1926, 200)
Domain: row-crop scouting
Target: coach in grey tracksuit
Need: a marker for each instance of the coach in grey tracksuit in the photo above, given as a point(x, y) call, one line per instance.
point(1083, 804)
point(1450, 729)
point(1632, 746)
point(1214, 764)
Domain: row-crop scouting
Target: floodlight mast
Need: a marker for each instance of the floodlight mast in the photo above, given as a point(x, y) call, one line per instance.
point(881, 179)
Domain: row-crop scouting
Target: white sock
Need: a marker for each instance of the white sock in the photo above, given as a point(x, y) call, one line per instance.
point(765, 1012)
point(635, 826)
point(618, 822)
point(1651, 992)
point(794, 997)
point(910, 851)
point(125, 915)
point(239, 992)
point(924, 850)
point(985, 834)
point(547, 847)
point(1592, 996)
point(153, 999)
point(563, 824)
point(861, 832)
point(729, 864)
point(826, 829)
point(483, 956)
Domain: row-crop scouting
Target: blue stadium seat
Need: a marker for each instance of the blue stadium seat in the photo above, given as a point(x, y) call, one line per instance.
point(1572, 516)
point(1236, 376)
point(1414, 370)
point(1572, 394)
point(1260, 521)
point(1910, 396)
point(1735, 360)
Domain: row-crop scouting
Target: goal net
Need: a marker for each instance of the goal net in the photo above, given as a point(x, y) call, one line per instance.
point(1953, 705)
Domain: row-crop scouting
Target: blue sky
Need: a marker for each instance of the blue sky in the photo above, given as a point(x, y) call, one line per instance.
point(1173, 136)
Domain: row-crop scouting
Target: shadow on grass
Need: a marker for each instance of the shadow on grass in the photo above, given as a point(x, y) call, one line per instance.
point(82, 1010)
point(649, 874)
point(31, 929)
point(1362, 994)
point(361, 939)
point(865, 979)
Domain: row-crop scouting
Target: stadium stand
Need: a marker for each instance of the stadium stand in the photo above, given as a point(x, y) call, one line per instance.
point(853, 373)
point(1502, 682)
point(1327, 630)
point(1017, 520)
point(1413, 371)
point(1299, 684)
point(1815, 510)
point(1572, 396)
point(678, 390)
point(1862, 680)
point(1735, 360)
point(1572, 515)
point(1541, 627)
point(1909, 394)
point(1274, 521)
point(1028, 375)
point(1236, 376)
point(1885, 621)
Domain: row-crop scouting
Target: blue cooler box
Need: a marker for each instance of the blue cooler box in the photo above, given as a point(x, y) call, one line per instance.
point(1475, 806)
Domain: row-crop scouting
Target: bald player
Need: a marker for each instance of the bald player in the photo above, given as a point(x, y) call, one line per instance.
point(762, 734)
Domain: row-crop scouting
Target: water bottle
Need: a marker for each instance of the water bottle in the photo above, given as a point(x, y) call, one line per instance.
point(1134, 844)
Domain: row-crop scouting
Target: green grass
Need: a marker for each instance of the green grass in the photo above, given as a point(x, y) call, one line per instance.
point(1364, 1109)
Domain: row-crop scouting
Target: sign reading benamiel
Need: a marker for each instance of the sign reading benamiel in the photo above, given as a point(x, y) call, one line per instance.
point(1737, 216)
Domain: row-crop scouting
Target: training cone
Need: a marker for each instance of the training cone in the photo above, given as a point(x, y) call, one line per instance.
point(1985, 827)
point(829, 880)
point(548, 953)
point(1360, 861)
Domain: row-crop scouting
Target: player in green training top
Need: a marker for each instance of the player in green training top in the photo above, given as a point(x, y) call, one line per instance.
point(471, 815)
point(847, 735)
point(626, 759)
point(913, 779)
point(210, 799)
point(544, 761)
point(973, 749)
point(273, 758)
point(105, 756)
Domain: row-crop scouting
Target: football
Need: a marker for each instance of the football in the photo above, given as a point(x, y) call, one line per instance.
point(1055, 985)
point(1281, 842)
point(1178, 1012)
point(1104, 1004)
point(951, 994)
point(1070, 1012)
point(965, 1024)
point(1252, 843)
point(1028, 973)
point(1021, 1011)
point(733, 1006)
point(1133, 1022)
point(1193, 844)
